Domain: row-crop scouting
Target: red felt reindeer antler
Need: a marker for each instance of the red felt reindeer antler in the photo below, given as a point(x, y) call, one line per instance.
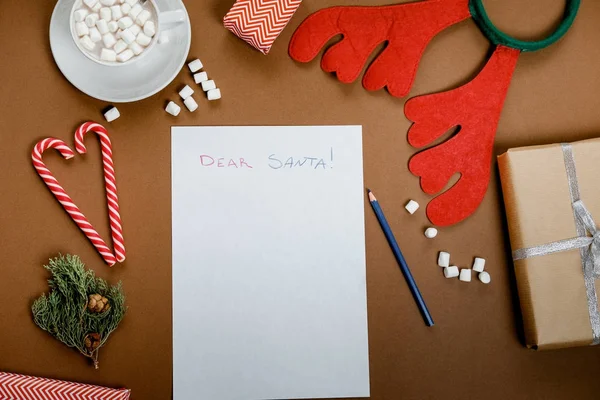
point(475, 108)
point(407, 29)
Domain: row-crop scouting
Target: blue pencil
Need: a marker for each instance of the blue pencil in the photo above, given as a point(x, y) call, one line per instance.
point(412, 285)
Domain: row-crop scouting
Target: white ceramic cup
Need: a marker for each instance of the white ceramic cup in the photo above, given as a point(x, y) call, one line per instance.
point(165, 20)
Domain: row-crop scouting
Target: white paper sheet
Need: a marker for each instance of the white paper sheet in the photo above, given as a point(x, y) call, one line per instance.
point(269, 277)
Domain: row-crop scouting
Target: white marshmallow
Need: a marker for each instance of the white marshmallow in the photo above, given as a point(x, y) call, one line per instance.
point(112, 114)
point(195, 65)
point(125, 56)
point(143, 17)
point(412, 206)
point(125, 9)
point(80, 15)
point(90, 3)
point(430, 233)
point(150, 28)
point(105, 14)
point(200, 77)
point(116, 13)
point(465, 275)
point(163, 38)
point(136, 48)
point(97, 7)
point(451, 272)
point(120, 46)
point(109, 40)
point(143, 39)
point(485, 277)
point(444, 259)
point(186, 92)
point(91, 19)
point(479, 264)
point(102, 26)
point(208, 85)
point(135, 11)
point(95, 35)
point(113, 27)
point(131, 2)
point(191, 104)
point(173, 109)
point(87, 43)
point(125, 22)
point(82, 29)
point(214, 94)
point(135, 29)
point(108, 55)
point(108, 2)
point(127, 36)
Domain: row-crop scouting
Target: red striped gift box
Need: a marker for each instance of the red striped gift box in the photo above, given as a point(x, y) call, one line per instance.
point(259, 22)
point(22, 387)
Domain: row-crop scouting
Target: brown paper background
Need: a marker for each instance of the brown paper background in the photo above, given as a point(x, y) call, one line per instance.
point(475, 351)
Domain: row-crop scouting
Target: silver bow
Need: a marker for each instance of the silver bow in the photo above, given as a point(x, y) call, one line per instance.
point(589, 246)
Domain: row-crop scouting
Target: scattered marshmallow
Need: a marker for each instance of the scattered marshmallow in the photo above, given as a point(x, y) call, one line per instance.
point(135, 29)
point(127, 36)
point(95, 35)
point(150, 28)
point(125, 56)
point(186, 92)
point(208, 85)
point(430, 233)
point(87, 43)
point(105, 14)
point(465, 275)
point(163, 38)
point(444, 259)
point(120, 46)
point(116, 13)
point(97, 7)
point(125, 9)
point(200, 77)
point(131, 2)
point(82, 29)
point(91, 19)
point(412, 206)
point(143, 39)
point(108, 3)
point(214, 94)
point(112, 114)
point(102, 26)
point(125, 23)
point(191, 104)
point(485, 277)
point(195, 66)
point(113, 27)
point(90, 3)
point(173, 109)
point(108, 55)
point(143, 17)
point(80, 15)
point(479, 264)
point(109, 41)
point(451, 272)
point(136, 48)
point(135, 11)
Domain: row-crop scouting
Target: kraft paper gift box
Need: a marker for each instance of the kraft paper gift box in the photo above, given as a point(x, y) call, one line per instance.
point(552, 238)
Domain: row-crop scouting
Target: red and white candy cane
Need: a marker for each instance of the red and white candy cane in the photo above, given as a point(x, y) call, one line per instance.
point(109, 180)
point(62, 196)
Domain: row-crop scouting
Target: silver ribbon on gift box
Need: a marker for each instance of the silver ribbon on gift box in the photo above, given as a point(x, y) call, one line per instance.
point(589, 246)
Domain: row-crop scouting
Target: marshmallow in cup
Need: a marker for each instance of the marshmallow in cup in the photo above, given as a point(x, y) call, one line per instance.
point(150, 20)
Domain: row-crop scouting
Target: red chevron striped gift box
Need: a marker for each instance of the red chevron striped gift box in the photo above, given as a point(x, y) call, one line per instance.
point(259, 22)
point(23, 387)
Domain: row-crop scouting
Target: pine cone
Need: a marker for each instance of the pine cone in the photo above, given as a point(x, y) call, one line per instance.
point(92, 341)
point(98, 304)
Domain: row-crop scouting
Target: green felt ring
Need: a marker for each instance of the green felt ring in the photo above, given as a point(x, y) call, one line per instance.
point(498, 37)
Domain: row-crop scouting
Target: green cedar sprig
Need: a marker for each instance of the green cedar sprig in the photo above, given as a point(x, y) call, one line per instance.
point(63, 312)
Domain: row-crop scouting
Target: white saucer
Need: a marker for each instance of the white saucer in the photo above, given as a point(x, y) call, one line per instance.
point(123, 83)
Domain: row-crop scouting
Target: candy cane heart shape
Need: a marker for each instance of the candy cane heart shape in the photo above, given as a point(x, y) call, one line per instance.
point(62, 196)
point(109, 180)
